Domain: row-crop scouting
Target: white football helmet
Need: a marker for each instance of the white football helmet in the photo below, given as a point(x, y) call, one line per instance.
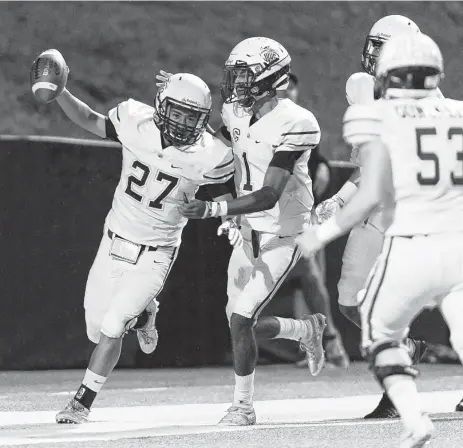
point(182, 108)
point(382, 30)
point(412, 62)
point(256, 67)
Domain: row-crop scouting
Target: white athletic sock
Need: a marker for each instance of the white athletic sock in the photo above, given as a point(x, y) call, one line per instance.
point(404, 394)
point(244, 390)
point(294, 329)
point(93, 381)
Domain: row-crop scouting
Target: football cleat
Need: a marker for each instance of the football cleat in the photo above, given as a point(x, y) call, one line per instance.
point(313, 345)
point(148, 335)
point(239, 416)
point(73, 413)
point(419, 436)
point(385, 409)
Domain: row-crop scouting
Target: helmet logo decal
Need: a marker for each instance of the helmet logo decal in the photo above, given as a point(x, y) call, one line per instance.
point(269, 55)
point(236, 134)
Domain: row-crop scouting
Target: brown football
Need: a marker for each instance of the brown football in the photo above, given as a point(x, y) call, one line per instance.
point(49, 74)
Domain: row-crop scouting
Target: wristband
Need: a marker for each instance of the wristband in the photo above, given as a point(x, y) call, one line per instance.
point(223, 208)
point(328, 231)
point(347, 191)
point(207, 211)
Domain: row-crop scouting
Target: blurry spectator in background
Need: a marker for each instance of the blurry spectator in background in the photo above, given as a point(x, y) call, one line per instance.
point(306, 282)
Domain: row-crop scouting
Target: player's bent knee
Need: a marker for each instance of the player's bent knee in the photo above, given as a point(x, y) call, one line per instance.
point(115, 326)
point(93, 333)
point(389, 358)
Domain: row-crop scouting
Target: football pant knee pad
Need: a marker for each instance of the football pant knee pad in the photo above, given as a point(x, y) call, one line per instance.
point(394, 362)
point(114, 326)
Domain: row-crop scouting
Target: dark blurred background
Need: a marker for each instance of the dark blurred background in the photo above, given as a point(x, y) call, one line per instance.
point(55, 195)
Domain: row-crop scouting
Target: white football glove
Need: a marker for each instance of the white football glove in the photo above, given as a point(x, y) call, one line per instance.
point(230, 228)
point(328, 208)
point(162, 77)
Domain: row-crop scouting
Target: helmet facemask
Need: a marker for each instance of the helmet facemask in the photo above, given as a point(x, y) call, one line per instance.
point(240, 86)
point(180, 123)
point(370, 53)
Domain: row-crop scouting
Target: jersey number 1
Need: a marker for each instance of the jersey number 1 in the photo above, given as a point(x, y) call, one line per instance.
point(421, 133)
point(140, 182)
point(247, 186)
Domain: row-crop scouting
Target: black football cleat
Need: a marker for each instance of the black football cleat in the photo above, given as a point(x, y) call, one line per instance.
point(385, 409)
point(459, 406)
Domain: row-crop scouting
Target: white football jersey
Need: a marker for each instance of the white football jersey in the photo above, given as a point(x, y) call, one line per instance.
point(424, 138)
point(288, 127)
point(155, 181)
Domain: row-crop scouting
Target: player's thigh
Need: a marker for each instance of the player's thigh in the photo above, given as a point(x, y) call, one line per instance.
point(362, 248)
point(264, 275)
point(451, 308)
point(401, 285)
point(98, 289)
point(142, 282)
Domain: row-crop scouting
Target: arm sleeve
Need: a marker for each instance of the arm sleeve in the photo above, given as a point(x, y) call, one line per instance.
point(286, 160)
point(111, 133)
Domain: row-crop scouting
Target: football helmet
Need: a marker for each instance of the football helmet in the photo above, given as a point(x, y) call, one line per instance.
point(256, 67)
point(182, 107)
point(381, 31)
point(412, 62)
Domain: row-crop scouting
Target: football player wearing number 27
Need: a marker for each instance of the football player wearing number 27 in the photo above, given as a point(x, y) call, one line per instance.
point(272, 139)
point(167, 155)
point(421, 262)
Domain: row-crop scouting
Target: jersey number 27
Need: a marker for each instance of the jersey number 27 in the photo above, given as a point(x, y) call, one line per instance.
point(140, 182)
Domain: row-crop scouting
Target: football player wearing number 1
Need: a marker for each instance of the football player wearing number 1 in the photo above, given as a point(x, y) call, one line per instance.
point(272, 139)
point(166, 156)
point(411, 141)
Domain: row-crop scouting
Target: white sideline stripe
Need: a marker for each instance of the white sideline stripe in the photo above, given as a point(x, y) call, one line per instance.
point(269, 411)
point(137, 389)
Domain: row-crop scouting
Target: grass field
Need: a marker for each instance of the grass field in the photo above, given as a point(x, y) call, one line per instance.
point(180, 408)
point(115, 48)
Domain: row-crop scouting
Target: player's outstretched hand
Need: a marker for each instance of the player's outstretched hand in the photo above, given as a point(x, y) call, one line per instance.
point(194, 209)
point(308, 242)
point(230, 228)
point(328, 208)
point(162, 77)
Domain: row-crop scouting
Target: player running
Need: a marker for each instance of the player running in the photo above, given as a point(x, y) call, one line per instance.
point(272, 139)
point(411, 142)
point(365, 240)
point(166, 157)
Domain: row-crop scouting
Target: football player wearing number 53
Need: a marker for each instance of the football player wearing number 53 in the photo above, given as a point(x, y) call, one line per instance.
point(166, 157)
point(272, 139)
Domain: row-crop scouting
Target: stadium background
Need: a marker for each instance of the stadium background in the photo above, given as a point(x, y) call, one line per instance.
point(55, 195)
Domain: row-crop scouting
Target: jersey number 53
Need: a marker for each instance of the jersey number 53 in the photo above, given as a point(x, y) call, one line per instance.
point(427, 136)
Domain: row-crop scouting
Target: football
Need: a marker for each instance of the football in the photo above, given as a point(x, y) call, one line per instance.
point(49, 74)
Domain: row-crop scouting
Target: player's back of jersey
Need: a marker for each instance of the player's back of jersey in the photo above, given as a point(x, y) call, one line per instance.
point(425, 142)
